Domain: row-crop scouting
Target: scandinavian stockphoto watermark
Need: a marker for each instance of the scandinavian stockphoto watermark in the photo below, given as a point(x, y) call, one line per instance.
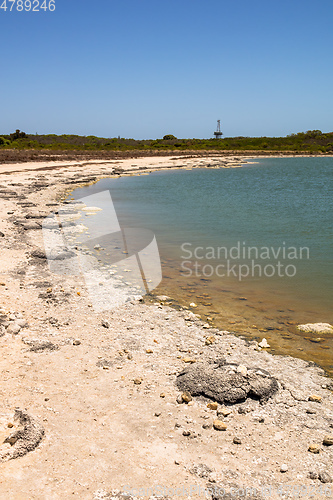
point(118, 264)
point(241, 261)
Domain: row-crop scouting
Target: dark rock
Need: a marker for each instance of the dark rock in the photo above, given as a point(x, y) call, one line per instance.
point(2, 235)
point(43, 346)
point(201, 470)
point(237, 440)
point(324, 477)
point(38, 254)
point(224, 385)
point(31, 225)
point(105, 323)
point(104, 362)
point(23, 440)
point(313, 475)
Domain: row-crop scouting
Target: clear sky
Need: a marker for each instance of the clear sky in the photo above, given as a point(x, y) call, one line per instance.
point(144, 68)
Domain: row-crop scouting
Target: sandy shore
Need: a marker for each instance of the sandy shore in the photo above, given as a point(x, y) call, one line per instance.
point(101, 409)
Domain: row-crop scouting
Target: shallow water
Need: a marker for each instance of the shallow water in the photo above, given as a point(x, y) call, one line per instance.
point(272, 220)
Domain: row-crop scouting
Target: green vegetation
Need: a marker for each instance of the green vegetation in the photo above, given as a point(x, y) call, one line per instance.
point(313, 141)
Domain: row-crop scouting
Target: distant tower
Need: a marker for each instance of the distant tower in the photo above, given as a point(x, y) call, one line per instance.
point(218, 134)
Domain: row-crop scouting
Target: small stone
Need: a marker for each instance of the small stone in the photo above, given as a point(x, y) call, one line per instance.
point(219, 425)
point(310, 411)
point(237, 440)
point(319, 328)
point(328, 440)
point(210, 340)
point(242, 370)
point(176, 462)
point(149, 351)
point(10, 425)
point(206, 425)
point(76, 342)
point(314, 448)
point(137, 381)
point(313, 475)
point(129, 356)
point(157, 413)
point(324, 477)
point(224, 412)
point(49, 290)
point(179, 399)
point(21, 323)
point(105, 323)
point(315, 398)
point(212, 406)
point(193, 304)
point(189, 360)
point(105, 367)
point(264, 344)
point(162, 395)
point(186, 433)
point(186, 397)
point(284, 468)
point(14, 328)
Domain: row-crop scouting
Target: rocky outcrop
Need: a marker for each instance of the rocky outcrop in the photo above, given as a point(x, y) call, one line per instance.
point(227, 383)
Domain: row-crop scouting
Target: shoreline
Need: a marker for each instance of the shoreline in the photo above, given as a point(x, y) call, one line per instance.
point(79, 378)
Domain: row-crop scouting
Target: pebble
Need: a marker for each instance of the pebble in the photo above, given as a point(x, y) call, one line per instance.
point(314, 448)
point(324, 477)
point(264, 344)
point(162, 395)
point(328, 440)
point(219, 425)
point(10, 425)
point(105, 323)
point(315, 398)
point(224, 412)
point(186, 397)
point(186, 433)
point(76, 342)
point(157, 413)
point(237, 440)
point(137, 381)
point(210, 340)
point(284, 468)
point(14, 328)
point(313, 475)
point(189, 360)
point(21, 323)
point(311, 412)
point(242, 370)
point(149, 351)
point(212, 406)
point(206, 425)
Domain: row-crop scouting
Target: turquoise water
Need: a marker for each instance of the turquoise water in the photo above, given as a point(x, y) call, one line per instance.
point(280, 207)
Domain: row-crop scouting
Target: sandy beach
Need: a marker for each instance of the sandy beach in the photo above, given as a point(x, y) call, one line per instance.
point(101, 408)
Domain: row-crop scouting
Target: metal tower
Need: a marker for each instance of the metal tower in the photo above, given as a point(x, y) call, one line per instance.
point(218, 134)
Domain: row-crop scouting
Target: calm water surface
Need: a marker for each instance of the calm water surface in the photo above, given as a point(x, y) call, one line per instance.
point(272, 220)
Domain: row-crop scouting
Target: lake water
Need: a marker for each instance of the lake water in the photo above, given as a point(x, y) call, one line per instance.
point(252, 247)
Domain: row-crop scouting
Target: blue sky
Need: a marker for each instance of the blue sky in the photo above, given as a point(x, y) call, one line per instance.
point(143, 68)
